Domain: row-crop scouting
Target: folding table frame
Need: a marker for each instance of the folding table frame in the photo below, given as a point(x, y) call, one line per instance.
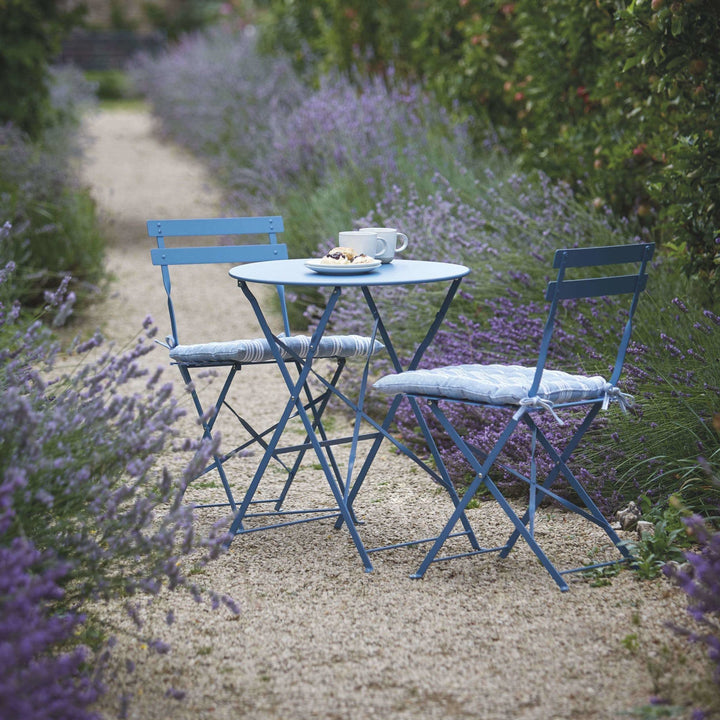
point(294, 272)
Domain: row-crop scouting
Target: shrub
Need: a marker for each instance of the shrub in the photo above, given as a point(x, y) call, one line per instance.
point(671, 52)
point(86, 515)
point(701, 582)
point(30, 35)
point(504, 224)
point(38, 679)
point(618, 94)
point(52, 228)
point(271, 136)
point(230, 118)
point(112, 85)
point(329, 169)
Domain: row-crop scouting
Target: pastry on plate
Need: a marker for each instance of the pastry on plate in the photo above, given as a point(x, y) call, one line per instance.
point(344, 256)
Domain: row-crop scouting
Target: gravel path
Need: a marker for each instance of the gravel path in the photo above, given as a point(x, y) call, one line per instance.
point(318, 637)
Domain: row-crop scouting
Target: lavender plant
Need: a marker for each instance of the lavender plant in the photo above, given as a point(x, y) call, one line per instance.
point(238, 97)
point(275, 138)
point(86, 514)
point(38, 679)
point(700, 577)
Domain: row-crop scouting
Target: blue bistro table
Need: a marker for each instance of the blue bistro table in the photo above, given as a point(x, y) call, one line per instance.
point(296, 273)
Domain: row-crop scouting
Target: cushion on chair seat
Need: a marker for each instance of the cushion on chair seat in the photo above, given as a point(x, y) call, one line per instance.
point(258, 350)
point(493, 384)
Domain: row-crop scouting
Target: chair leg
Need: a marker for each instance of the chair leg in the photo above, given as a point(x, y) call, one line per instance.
point(444, 475)
point(560, 466)
point(594, 516)
point(482, 478)
point(383, 431)
point(208, 423)
point(317, 412)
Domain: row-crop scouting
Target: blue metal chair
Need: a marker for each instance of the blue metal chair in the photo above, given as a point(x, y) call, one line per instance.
point(529, 390)
point(236, 354)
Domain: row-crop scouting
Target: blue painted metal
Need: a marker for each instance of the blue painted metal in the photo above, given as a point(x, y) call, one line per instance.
point(295, 405)
point(217, 227)
point(219, 254)
point(294, 272)
point(482, 463)
point(237, 228)
point(398, 272)
point(441, 476)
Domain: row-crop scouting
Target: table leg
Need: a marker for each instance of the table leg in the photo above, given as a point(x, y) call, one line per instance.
point(419, 352)
point(295, 403)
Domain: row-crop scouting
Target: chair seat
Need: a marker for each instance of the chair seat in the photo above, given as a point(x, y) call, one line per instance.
point(494, 384)
point(258, 350)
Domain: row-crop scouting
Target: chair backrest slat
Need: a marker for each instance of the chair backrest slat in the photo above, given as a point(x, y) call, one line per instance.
point(622, 283)
point(216, 226)
point(218, 254)
point(606, 255)
point(166, 257)
point(595, 287)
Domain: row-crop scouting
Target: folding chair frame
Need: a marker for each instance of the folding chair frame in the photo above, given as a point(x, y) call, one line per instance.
point(166, 257)
point(481, 463)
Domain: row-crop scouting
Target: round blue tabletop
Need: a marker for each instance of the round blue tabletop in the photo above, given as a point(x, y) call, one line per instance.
point(398, 272)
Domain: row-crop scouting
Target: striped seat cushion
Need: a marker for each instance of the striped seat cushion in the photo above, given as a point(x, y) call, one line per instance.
point(258, 350)
point(493, 384)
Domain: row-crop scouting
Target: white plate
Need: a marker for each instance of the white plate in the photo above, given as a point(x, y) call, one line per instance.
point(320, 267)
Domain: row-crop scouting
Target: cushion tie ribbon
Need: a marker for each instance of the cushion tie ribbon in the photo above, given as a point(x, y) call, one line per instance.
point(613, 392)
point(536, 401)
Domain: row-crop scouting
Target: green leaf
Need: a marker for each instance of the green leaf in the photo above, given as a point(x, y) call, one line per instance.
point(632, 62)
point(676, 26)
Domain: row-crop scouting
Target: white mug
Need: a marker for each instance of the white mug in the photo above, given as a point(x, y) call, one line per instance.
point(390, 236)
point(367, 243)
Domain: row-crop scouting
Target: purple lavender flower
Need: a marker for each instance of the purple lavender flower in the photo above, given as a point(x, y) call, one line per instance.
point(701, 583)
point(34, 674)
point(85, 513)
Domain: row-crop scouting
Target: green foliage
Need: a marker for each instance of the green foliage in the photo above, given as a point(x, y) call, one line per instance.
point(666, 543)
point(616, 95)
point(52, 228)
point(353, 36)
point(112, 84)
point(676, 47)
point(602, 577)
point(673, 373)
point(30, 35)
point(177, 17)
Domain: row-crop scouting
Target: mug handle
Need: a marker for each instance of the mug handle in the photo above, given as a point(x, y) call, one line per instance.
point(383, 242)
point(404, 243)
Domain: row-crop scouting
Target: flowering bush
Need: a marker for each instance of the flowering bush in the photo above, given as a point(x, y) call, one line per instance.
point(85, 514)
point(272, 137)
point(701, 582)
point(37, 680)
point(238, 96)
